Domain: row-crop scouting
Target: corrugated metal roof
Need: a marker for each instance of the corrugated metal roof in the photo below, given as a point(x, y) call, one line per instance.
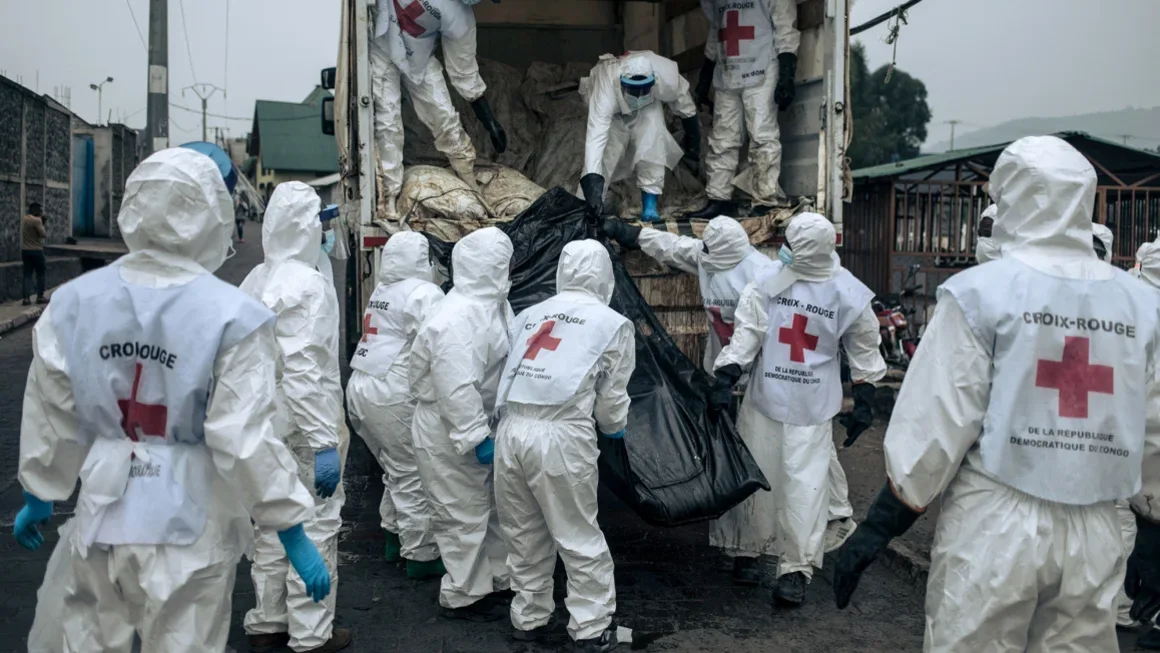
point(291, 138)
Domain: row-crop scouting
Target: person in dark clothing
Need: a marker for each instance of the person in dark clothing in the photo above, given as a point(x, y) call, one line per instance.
point(32, 235)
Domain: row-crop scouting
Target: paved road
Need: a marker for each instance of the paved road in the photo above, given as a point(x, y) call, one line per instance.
point(669, 582)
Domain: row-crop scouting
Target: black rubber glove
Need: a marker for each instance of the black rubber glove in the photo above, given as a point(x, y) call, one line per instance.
point(498, 135)
point(692, 144)
point(625, 234)
point(1142, 583)
point(785, 91)
point(888, 518)
point(721, 395)
point(862, 417)
point(592, 185)
point(704, 83)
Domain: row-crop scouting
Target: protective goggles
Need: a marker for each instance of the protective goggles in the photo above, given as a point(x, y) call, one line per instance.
point(637, 85)
point(328, 213)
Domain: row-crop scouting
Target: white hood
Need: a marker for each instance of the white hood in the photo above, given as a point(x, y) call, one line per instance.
point(176, 204)
point(407, 255)
point(727, 244)
point(1148, 262)
point(986, 249)
point(480, 264)
point(1105, 235)
point(586, 267)
point(291, 230)
point(1045, 190)
point(812, 239)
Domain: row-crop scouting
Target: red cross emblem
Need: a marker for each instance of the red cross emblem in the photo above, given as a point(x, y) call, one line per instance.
point(734, 33)
point(542, 340)
point(1074, 377)
point(139, 419)
point(797, 338)
point(409, 16)
point(368, 330)
point(723, 329)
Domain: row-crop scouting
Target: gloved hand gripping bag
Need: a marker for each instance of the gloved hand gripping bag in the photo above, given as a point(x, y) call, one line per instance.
point(678, 465)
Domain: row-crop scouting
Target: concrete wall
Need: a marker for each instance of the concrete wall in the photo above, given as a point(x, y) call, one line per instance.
point(115, 156)
point(35, 165)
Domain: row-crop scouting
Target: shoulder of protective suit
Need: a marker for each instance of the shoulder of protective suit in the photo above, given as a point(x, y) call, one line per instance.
point(294, 283)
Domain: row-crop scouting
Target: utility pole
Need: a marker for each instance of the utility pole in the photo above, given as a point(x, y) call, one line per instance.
point(157, 120)
point(952, 123)
point(1124, 137)
point(204, 91)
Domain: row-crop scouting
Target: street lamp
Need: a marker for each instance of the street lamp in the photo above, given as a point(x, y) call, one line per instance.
point(99, 88)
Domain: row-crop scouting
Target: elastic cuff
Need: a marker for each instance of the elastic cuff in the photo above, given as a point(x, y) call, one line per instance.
point(32, 501)
point(295, 533)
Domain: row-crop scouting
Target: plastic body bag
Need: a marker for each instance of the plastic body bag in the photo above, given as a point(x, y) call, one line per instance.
point(677, 465)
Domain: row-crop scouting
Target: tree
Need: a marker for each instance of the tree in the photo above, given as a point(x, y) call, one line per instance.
point(890, 115)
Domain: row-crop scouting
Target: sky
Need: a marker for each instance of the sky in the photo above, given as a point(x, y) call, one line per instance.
point(983, 61)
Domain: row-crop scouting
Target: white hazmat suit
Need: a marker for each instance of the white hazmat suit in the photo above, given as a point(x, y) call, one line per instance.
point(566, 378)
point(621, 140)
point(309, 409)
point(379, 395)
point(1027, 552)
point(456, 363)
point(745, 40)
point(1105, 237)
point(986, 249)
point(791, 322)
point(187, 456)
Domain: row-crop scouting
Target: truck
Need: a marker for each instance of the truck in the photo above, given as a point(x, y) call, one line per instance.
point(815, 130)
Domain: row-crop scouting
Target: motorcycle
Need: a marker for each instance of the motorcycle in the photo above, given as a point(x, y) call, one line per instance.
point(899, 337)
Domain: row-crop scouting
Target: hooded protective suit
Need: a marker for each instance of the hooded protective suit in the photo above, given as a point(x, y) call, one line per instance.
point(546, 449)
point(1105, 237)
point(746, 41)
point(456, 362)
point(621, 140)
point(172, 476)
point(379, 398)
point(310, 408)
point(1027, 553)
point(725, 264)
point(785, 422)
point(986, 249)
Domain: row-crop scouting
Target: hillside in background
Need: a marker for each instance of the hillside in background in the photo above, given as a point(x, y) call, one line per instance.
point(1142, 126)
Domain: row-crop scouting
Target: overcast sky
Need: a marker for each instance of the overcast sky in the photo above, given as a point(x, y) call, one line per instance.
point(983, 61)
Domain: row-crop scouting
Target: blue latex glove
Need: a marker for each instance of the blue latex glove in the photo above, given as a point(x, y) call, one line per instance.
point(327, 472)
point(485, 452)
point(305, 559)
point(34, 512)
point(619, 435)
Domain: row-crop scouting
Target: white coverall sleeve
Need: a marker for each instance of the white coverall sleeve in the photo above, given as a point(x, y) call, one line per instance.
point(750, 323)
point(462, 66)
point(786, 37)
point(681, 252)
point(711, 37)
point(309, 398)
point(52, 450)
point(683, 106)
point(861, 342)
point(1147, 502)
point(239, 431)
point(420, 304)
point(617, 364)
point(939, 413)
point(456, 372)
point(600, 109)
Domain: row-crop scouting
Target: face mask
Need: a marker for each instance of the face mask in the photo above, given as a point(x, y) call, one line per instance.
point(328, 242)
point(986, 249)
point(637, 103)
point(785, 255)
point(470, 3)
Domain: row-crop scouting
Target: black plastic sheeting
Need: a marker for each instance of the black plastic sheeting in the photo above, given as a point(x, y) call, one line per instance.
point(677, 464)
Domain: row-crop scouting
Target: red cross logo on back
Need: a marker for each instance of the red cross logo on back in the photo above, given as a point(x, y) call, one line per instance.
point(797, 338)
point(408, 17)
point(1074, 377)
point(733, 33)
point(139, 419)
point(368, 330)
point(542, 340)
point(723, 329)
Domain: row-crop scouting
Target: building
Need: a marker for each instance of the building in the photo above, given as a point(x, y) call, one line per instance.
point(924, 211)
point(288, 143)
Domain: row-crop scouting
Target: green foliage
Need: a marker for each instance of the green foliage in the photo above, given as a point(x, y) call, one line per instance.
point(890, 115)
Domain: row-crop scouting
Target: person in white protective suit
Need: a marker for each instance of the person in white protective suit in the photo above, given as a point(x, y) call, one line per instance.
point(1026, 412)
point(985, 247)
point(1102, 242)
point(152, 382)
point(626, 127)
point(566, 379)
point(751, 85)
point(725, 264)
point(325, 263)
point(403, 55)
point(789, 325)
point(310, 420)
point(456, 362)
point(380, 401)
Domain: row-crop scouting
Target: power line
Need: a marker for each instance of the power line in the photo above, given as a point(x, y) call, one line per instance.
point(226, 65)
point(247, 119)
point(134, 17)
point(185, 31)
point(878, 20)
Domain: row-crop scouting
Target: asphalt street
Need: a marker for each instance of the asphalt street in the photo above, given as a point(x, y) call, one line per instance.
point(673, 589)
